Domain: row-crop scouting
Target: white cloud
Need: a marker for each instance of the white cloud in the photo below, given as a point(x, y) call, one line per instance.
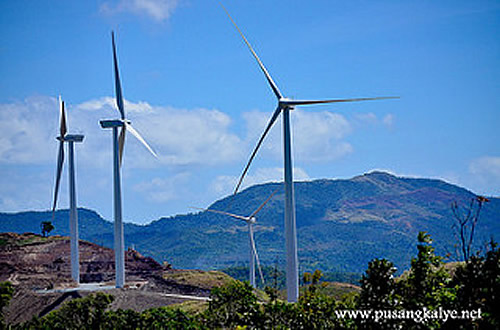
point(486, 175)
point(371, 119)
point(108, 104)
point(486, 166)
point(27, 131)
point(187, 137)
point(159, 10)
point(388, 120)
point(181, 137)
point(316, 136)
point(256, 122)
point(32, 191)
point(161, 190)
point(319, 136)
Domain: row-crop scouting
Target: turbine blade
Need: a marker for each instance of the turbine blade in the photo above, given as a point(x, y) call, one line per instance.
point(269, 125)
point(121, 143)
point(256, 254)
point(118, 87)
point(268, 76)
point(140, 138)
point(63, 129)
point(60, 162)
point(239, 217)
point(307, 102)
point(262, 205)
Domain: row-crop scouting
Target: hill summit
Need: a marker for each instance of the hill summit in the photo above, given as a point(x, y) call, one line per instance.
point(341, 224)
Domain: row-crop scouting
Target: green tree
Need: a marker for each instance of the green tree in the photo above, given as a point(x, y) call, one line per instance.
point(427, 284)
point(6, 292)
point(46, 227)
point(478, 287)
point(427, 278)
point(232, 304)
point(378, 292)
point(81, 313)
point(378, 286)
point(168, 318)
point(122, 319)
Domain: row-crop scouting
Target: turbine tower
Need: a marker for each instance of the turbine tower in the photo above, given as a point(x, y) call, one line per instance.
point(118, 144)
point(285, 105)
point(250, 220)
point(73, 214)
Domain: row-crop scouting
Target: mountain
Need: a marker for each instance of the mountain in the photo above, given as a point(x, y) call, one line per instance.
point(341, 224)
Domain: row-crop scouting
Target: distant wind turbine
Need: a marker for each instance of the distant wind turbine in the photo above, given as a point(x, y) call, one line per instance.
point(73, 214)
point(118, 144)
point(285, 105)
point(250, 220)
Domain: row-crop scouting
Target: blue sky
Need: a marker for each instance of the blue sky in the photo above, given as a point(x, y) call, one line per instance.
point(196, 94)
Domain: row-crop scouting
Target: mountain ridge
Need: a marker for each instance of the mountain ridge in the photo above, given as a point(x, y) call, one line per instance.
point(342, 224)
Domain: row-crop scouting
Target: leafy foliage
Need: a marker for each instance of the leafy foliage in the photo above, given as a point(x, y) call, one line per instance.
point(378, 286)
point(92, 312)
point(84, 313)
point(427, 279)
point(429, 285)
point(232, 305)
point(6, 292)
point(46, 227)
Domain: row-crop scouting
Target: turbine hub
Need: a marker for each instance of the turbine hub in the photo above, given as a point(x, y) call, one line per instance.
point(286, 103)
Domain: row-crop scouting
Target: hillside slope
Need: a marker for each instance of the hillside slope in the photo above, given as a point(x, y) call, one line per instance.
point(342, 224)
point(39, 269)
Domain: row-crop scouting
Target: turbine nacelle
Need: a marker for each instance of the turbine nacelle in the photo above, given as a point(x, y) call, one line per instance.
point(70, 138)
point(252, 220)
point(110, 123)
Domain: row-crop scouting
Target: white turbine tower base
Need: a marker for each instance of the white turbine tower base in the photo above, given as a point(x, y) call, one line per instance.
point(119, 238)
point(118, 145)
point(73, 212)
point(284, 106)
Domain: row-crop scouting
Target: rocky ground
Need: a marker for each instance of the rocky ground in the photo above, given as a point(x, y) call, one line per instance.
point(39, 267)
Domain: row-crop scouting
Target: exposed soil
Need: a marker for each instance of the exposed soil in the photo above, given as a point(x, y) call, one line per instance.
point(33, 263)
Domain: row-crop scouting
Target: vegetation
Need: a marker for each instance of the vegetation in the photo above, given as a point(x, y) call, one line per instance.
point(91, 313)
point(471, 289)
point(276, 277)
point(46, 227)
point(198, 278)
point(6, 292)
point(342, 225)
point(465, 224)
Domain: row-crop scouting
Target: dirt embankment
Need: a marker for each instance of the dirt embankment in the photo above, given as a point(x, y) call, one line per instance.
point(35, 264)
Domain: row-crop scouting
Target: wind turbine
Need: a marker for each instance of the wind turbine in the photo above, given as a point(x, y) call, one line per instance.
point(250, 220)
point(285, 105)
point(118, 144)
point(73, 214)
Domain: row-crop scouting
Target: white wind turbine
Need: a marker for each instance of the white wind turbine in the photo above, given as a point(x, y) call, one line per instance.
point(73, 214)
point(118, 144)
point(250, 220)
point(285, 105)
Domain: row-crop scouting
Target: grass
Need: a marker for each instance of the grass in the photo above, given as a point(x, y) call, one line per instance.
point(202, 279)
point(192, 307)
point(337, 290)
